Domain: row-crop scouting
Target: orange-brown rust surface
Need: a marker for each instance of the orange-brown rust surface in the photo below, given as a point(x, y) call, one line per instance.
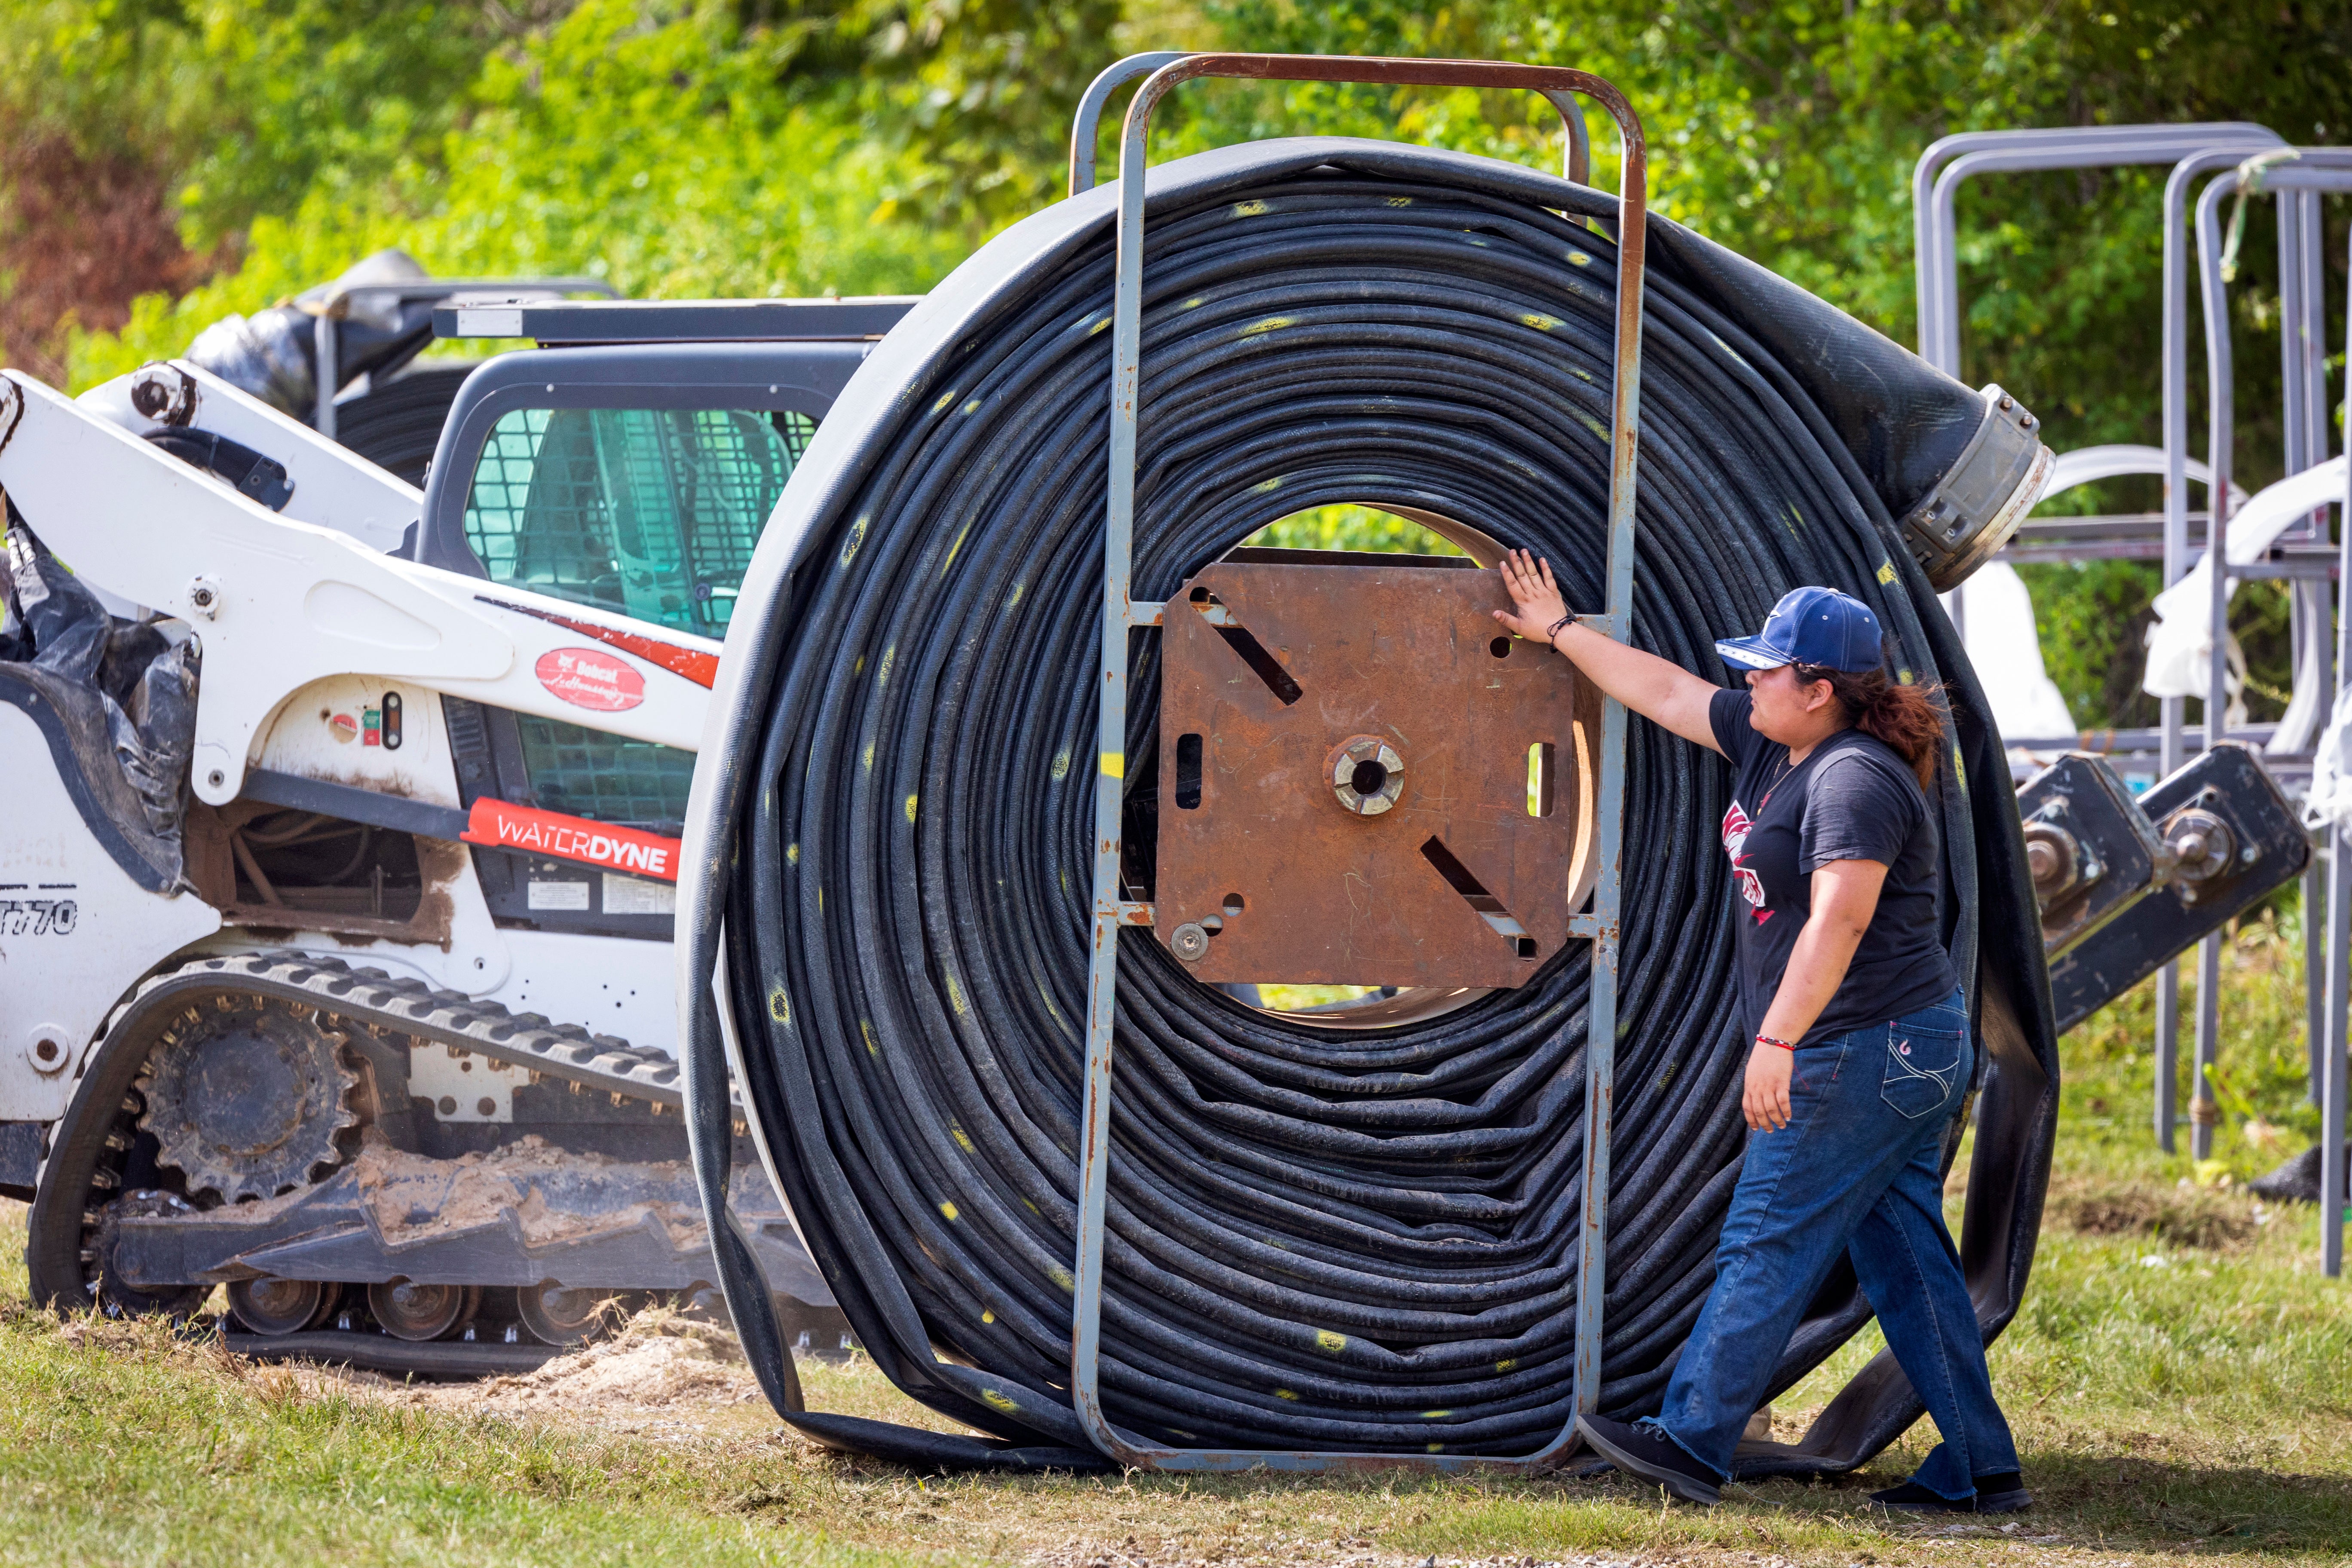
point(1334, 896)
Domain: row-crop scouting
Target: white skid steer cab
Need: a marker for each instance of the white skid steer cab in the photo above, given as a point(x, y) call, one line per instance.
point(337, 873)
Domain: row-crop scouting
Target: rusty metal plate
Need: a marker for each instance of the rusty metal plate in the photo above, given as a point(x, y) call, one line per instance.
point(1346, 792)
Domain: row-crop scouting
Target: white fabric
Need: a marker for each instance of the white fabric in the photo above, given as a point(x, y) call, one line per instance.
point(1996, 617)
point(2088, 465)
point(2329, 802)
point(2180, 641)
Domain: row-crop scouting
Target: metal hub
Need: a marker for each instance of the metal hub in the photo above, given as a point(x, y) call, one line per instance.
point(560, 1315)
point(1367, 774)
point(246, 1099)
point(408, 1311)
point(274, 1306)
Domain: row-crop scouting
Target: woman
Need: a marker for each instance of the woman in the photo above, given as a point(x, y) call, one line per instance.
point(1860, 1051)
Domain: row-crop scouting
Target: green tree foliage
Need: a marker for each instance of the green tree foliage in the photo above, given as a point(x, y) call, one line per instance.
point(750, 146)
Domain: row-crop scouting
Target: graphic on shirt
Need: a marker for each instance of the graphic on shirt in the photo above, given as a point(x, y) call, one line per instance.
point(1736, 826)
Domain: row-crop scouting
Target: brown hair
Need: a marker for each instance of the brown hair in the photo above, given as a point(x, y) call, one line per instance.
point(1911, 719)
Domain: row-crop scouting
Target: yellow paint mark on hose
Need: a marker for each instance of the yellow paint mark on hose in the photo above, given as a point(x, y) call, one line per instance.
point(1590, 423)
point(1507, 1363)
point(1099, 326)
point(910, 810)
point(1250, 209)
point(1267, 487)
point(1886, 572)
point(1000, 1402)
point(1114, 764)
point(973, 407)
point(1435, 1415)
point(1399, 201)
point(1014, 598)
point(948, 1210)
point(955, 993)
point(963, 1138)
point(1269, 324)
point(1284, 1393)
point(873, 1046)
point(1330, 1342)
point(857, 537)
point(780, 1006)
point(882, 675)
point(792, 854)
point(946, 402)
point(986, 1316)
point(1538, 321)
point(1437, 1447)
point(869, 756)
point(1579, 258)
point(953, 548)
point(1061, 1276)
point(1062, 765)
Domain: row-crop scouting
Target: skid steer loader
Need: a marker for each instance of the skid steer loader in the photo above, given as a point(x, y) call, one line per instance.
point(335, 886)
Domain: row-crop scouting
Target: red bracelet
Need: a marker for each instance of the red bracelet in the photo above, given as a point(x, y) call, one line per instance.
point(1769, 1040)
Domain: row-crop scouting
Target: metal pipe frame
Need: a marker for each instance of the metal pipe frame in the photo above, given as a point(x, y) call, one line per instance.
point(2306, 173)
point(2193, 150)
point(2298, 247)
point(1112, 910)
point(1086, 134)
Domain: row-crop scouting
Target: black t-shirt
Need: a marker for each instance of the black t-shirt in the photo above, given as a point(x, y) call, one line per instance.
point(1852, 799)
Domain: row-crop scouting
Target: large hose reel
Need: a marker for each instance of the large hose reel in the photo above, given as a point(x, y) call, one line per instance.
point(1317, 1240)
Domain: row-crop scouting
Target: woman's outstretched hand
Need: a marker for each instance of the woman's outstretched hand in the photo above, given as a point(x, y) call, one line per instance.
point(1535, 597)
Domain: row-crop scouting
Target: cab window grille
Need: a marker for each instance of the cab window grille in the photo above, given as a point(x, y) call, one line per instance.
point(588, 773)
point(650, 512)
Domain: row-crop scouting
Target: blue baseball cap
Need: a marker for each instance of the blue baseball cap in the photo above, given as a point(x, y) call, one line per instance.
point(1819, 626)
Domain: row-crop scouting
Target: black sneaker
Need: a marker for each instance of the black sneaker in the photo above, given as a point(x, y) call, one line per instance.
point(2002, 1493)
point(1653, 1456)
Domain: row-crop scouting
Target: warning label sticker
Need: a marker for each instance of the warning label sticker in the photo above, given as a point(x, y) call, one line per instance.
point(591, 678)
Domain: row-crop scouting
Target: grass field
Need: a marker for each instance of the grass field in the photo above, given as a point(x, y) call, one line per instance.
point(2177, 1379)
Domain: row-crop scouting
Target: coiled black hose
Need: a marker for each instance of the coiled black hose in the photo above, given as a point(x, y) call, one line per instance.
point(1317, 1240)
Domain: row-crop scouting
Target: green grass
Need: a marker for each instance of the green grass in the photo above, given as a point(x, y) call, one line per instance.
point(2177, 1379)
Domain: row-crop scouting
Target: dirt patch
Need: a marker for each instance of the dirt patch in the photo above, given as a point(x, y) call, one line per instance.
point(660, 1364)
point(2178, 1216)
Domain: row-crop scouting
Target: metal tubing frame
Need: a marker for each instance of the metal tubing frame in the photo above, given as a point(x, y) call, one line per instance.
point(2303, 302)
point(2310, 173)
point(1085, 125)
point(1120, 615)
point(2192, 150)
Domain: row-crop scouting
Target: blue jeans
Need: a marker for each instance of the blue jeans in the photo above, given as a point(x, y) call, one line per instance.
point(1854, 1172)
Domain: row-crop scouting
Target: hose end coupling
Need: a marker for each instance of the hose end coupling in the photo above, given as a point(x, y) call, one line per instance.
point(1976, 507)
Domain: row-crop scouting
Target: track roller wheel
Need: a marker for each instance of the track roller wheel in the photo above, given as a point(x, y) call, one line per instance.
point(561, 1315)
point(407, 1311)
point(274, 1306)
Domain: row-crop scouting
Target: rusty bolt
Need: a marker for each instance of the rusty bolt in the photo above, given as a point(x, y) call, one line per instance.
point(1188, 943)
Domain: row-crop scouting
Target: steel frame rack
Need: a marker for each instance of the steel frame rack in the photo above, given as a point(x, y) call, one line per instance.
point(1163, 72)
point(2194, 152)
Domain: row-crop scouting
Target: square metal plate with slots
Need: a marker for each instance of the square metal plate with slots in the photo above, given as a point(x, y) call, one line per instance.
point(1364, 781)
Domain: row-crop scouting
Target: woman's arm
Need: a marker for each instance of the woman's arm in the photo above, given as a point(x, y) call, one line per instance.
point(1845, 895)
point(1659, 690)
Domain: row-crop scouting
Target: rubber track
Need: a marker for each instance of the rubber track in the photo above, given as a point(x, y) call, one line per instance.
point(371, 997)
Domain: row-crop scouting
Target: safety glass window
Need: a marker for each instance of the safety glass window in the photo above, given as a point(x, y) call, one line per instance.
point(652, 512)
point(587, 773)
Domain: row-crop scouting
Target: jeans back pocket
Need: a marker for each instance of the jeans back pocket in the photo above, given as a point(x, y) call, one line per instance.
point(1923, 1068)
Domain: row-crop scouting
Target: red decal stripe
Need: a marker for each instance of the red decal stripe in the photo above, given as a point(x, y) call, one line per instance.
point(701, 668)
point(500, 825)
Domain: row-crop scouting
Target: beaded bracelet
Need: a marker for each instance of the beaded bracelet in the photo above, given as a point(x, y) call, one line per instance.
point(1769, 1040)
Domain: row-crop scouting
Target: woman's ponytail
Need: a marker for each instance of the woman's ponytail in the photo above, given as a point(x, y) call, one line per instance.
point(1911, 719)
